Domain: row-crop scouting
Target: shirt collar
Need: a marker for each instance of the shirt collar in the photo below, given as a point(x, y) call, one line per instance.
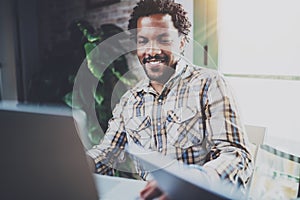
point(182, 71)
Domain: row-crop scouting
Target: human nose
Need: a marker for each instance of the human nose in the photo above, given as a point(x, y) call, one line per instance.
point(153, 49)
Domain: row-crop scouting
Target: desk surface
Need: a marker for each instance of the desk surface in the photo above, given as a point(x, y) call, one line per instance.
point(114, 188)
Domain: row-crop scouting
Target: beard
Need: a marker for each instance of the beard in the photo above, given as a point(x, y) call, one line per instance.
point(157, 68)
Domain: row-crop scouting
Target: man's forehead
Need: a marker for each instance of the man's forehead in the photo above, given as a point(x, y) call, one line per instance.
point(156, 20)
point(155, 31)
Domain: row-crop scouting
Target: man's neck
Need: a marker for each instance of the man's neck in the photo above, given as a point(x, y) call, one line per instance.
point(157, 86)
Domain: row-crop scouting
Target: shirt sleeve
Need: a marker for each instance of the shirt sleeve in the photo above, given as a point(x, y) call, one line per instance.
point(229, 152)
point(106, 153)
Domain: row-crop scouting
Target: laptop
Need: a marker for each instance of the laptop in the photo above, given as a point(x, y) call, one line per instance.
point(176, 179)
point(42, 156)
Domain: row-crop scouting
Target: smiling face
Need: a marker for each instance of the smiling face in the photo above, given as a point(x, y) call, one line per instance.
point(158, 46)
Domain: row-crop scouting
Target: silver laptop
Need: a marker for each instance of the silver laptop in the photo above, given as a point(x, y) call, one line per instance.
point(42, 156)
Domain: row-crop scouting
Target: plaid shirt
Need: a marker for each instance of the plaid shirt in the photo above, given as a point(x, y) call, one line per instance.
point(194, 120)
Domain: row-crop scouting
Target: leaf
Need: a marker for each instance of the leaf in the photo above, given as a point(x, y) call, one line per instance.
point(88, 47)
point(90, 37)
point(98, 98)
point(69, 101)
point(93, 61)
point(126, 81)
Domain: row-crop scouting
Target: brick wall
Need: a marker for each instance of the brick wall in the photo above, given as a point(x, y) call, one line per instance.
point(117, 13)
point(56, 15)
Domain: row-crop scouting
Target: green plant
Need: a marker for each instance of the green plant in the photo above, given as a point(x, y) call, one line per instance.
point(102, 94)
point(107, 80)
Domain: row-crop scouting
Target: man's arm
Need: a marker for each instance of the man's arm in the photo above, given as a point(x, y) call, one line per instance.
point(229, 154)
point(101, 158)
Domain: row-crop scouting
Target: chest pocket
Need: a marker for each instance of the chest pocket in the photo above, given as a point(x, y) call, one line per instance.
point(184, 127)
point(139, 129)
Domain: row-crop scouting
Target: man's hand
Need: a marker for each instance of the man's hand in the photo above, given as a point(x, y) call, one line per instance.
point(152, 191)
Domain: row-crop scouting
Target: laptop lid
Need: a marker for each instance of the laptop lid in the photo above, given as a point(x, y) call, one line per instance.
point(175, 178)
point(42, 156)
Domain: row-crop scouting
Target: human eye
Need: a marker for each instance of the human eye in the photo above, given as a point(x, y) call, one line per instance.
point(165, 40)
point(142, 41)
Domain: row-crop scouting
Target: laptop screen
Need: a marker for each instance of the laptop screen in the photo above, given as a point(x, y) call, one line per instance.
point(42, 156)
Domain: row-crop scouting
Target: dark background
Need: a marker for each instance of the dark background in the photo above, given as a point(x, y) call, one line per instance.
point(39, 41)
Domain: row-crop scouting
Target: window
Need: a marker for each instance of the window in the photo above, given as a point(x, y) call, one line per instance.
point(259, 37)
point(259, 45)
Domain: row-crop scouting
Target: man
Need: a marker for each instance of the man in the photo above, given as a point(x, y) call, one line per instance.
point(183, 111)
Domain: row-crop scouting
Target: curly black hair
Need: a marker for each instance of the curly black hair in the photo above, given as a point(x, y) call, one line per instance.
point(149, 7)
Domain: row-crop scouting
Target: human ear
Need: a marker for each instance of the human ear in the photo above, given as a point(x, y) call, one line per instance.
point(182, 44)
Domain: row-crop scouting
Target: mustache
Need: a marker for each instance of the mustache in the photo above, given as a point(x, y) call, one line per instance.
point(160, 57)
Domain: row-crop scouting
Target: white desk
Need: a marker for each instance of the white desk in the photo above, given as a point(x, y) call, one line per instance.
point(115, 188)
